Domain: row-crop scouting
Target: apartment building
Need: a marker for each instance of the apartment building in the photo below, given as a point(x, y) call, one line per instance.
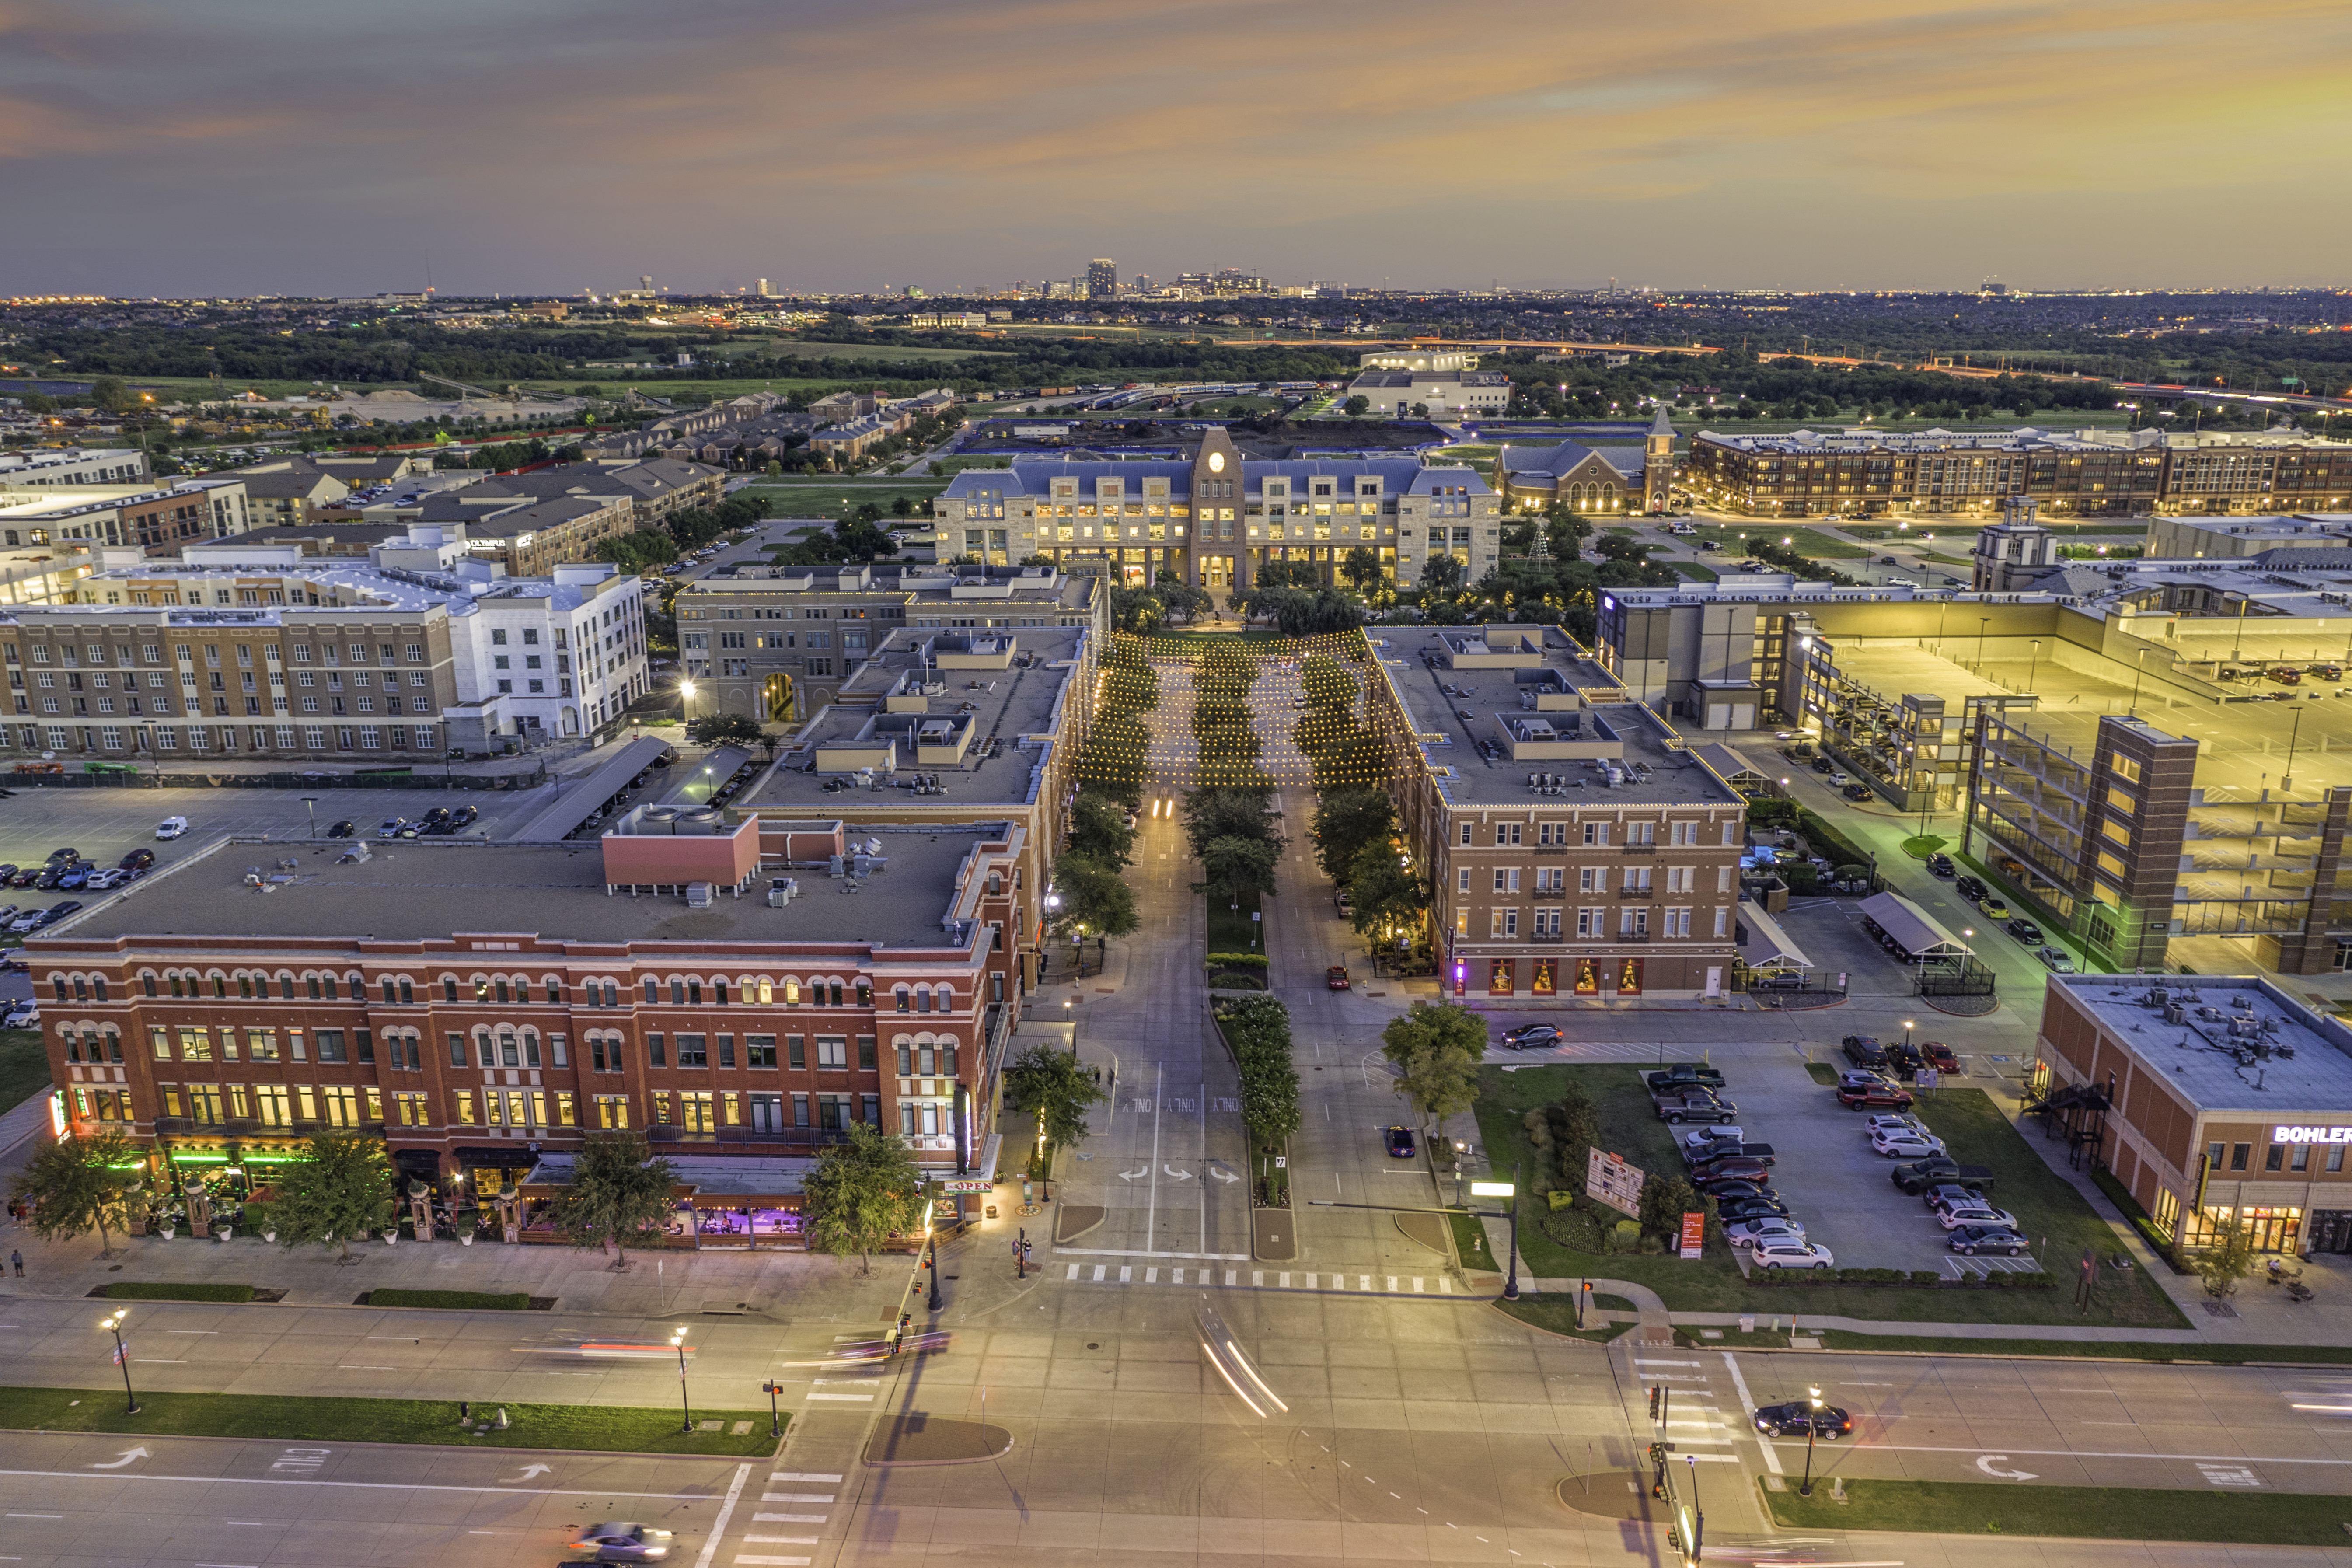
point(1215, 518)
point(74, 465)
point(1860, 472)
point(251, 650)
point(812, 626)
point(741, 993)
point(156, 517)
point(1578, 848)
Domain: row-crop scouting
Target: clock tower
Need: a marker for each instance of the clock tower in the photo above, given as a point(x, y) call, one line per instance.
point(1218, 537)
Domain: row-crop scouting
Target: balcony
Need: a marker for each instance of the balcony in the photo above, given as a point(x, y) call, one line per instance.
point(174, 1126)
point(1638, 849)
point(1634, 893)
point(1631, 936)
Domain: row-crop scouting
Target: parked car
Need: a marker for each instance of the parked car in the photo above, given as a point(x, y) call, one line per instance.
point(1798, 1416)
point(1729, 1173)
point(465, 817)
point(75, 875)
point(8, 871)
point(25, 919)
point(618, 1541)
point(1399, 1141)
point(56, 912)
point(343, 829)
point(1897, 1145)
point(1769, 1227)
point(99, 881)
point(1823, 765)
point(1864, 1051)
point(1728, 1195)
point(68, 852)
point(1940, 865)
point(2024, 930)
point(438, 814)
point(1903, 1059)
point(1939, 1056)
point(2056, 959)
point(390, 827)
point(1698, 1073)
point(1793, 1255)
point(1857, 792)
point(138, 860)
point(1874, 1096)
point(1697, 1105)
point(27, 876)
point(1973, 1239)
point(1994, 908)
point(1891, 1121)
point(1954, 1216)
point(1940, 1171)
point(1729, 1210)
point(1532, 1037)
point(1698, 1145)
point(1840, 778)
point(1336, 977)
point(172, 828)
point(1946, 1195)
point(1969, 888)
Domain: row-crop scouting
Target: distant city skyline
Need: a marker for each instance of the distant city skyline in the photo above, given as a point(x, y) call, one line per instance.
point(538, 147)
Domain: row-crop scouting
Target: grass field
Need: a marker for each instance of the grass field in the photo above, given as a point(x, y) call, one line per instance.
point(1557, 1314)
point(2186, 1355)
point(833, 499)
point(24, 1067)
point(1803, 541)
point(2110, 1513)
point(1693, 570)
point(1965, 1119)
point(602, 1428)
point(1232, 930)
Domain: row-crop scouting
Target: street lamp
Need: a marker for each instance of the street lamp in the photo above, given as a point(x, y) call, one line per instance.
point(310, 805)
point(1812, 1416)
point(1908, 1024)
point(678, 1343)
point(113, 1325)
point(1461, 1158)
point(931, 1243)
point(2034, 665)
point(1070, 1021)
point(1982, 621)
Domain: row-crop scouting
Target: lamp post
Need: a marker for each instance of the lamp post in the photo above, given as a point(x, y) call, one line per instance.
point(931, 1245)
point(1070, 1020)
point(113, 1325)
point(2286, 779)
point(1511, 1266)
point(2034, 666)
point(310, 805)
point(1813, 1415)
point(2139, 669)
point(1908, 1024)
point(677, 1343)
point(1982, 622)
point(1461, 1158)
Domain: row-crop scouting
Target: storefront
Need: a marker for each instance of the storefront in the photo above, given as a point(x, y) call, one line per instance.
point(2222, 1106)
point(718, 1204)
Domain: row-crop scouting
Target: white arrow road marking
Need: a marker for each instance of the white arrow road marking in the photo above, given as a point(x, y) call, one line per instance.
point(1180, 1176)
point(1135, 1175)
point(1989, 1464)
point(1225, 1175)
point(531, 1470)
point(128, 1455)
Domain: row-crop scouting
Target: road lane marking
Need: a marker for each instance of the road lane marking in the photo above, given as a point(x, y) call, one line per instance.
point(798, 1496)
point(114, 1479)
point(801, 1475)
point(726, 1511)
point(782, 1540)
point(788, 1519)
point(1731, 1365)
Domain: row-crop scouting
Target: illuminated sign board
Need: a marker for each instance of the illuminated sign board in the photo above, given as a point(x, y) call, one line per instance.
point(2311, 1134)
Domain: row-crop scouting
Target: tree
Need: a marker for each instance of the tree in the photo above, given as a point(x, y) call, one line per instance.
point(1047, 1082)
point(619, 1191)
point(1178, 598)
point(1361, 567)
point(861, 538)
point(108, 393)
point(340, 1187)
point(861, 1193)
point(2229, 1259)
point(1345, 822)
point(1664, 1201)
point(1227, 810)
point(1389, 898)
point(1237, 868)
point(77, 1184)
point(725, 730)
point(1098, 830)
point(1436, 1047)
point(1094, 896)
point(1441, 573)
point(1357, 406)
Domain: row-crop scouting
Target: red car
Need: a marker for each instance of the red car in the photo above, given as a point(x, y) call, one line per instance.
point(1720, 1172)
point(1336, 977)
point(1939, 1056)
point(1874, 1096)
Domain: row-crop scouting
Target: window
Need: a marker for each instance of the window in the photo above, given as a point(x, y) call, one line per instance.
point(2239, 1155)
point(2274, 1157)
point(656, 1053)
point(2124, 767)
point(1596, 833)
point(833, 1052)
point(692, 1051)
point(797, 1047)
point(1507, 879)
point(759, 1050)
point(1678, 922)
point(1466, 835)
point(1506, 833)
point(456, 1049)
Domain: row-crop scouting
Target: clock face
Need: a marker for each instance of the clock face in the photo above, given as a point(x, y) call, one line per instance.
point(1216, 462)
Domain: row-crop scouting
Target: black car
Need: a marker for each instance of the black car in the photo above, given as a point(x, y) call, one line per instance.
point(56, 912)
point(1823, 765)
point(1828, 1422)
point(1698, 1075)
point(1732, 1211)
point(1857, 792)
point(2024, 930)
point(1969, 888)
point(464, 817)
point(1728, 1193)
point(1400, 1142)
point(1865, 1052)
point(7, 873)
point(1973, 1239)
point(438, 814)
point(1941, 865)
point(27, 876)
point(1904, 1059)
point(53, 876)
point(57, 855)
point(343, 829)
point(1725, 1168)
point(1532, 1037)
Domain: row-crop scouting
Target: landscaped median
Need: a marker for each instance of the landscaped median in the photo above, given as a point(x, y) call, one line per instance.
point(595, 1428)
point(1573, 1243)
point(166, 1290)
point(2093, 1513)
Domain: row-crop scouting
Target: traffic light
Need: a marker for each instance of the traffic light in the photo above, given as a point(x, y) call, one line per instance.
point(1654, 1393)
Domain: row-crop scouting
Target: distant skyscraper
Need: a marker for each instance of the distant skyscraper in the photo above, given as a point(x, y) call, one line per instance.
point(645, 281)
point(1102, 278)
point(763, 289)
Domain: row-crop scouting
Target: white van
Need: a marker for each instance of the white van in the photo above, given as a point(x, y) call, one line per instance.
point(172, 828)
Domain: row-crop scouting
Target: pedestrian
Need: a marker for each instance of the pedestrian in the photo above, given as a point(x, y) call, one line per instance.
point(17, 1262)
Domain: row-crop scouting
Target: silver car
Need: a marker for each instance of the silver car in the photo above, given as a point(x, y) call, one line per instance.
point(619, 1542)
point(1759, 1231)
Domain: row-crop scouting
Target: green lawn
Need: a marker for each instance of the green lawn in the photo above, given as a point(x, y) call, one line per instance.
point(1964, 1118)
point(164, 1291)
point(1693, 570)
point(602, 1428)
point(1807, 541)
point(2110, 1513)
point(453, 1301)
point(2186, 1355)
point(1557, 1314)
point(24, 1067)
point(1232, 930)
point(834, 496)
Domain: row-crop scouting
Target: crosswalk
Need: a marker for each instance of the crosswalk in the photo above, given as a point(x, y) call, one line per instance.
point(1354, 1282)
point(1695, 1423)
point(789, 1499)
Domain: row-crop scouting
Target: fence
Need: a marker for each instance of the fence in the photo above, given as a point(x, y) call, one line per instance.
point(1973, 977)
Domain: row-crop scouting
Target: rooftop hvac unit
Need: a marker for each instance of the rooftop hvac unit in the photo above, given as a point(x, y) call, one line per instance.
point(782, 890)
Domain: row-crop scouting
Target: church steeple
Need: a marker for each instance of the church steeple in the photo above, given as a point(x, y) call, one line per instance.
point(1658, 462)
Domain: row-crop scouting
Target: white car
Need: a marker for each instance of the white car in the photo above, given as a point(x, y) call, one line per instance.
point(172, 828)
point(1840, 779)
point(22, 1016)
point(101, 880)
point(1706, 1139)
point(1891, 1121)
point(1977, 1214)
point(1793, 1255)
point(1906, 1145)
point(1763, 1232)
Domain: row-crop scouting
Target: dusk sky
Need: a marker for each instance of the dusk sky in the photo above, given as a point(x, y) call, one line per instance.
point(321, 147)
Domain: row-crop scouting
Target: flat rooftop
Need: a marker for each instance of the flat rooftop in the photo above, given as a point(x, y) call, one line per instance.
point(412, 889)
point(1455, 704)
point(2241, 1045)
point(1008, 709)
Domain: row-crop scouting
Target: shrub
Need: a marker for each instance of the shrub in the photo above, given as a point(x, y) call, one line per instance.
point(1558, 1201)
point(1926, 1277)
point(153, 1291)
point(1235, 961)
point(452, 1300)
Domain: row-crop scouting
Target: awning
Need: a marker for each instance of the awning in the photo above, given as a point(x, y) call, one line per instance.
point(1914, 927)
point(1763, 945)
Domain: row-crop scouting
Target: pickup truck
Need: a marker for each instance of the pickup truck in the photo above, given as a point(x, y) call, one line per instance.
point(1697, 1106)
point(1696, 1154)
point(1918, 1175)
point(1684, 1075)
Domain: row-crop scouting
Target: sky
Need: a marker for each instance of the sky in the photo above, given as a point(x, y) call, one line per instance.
point(549, 146)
